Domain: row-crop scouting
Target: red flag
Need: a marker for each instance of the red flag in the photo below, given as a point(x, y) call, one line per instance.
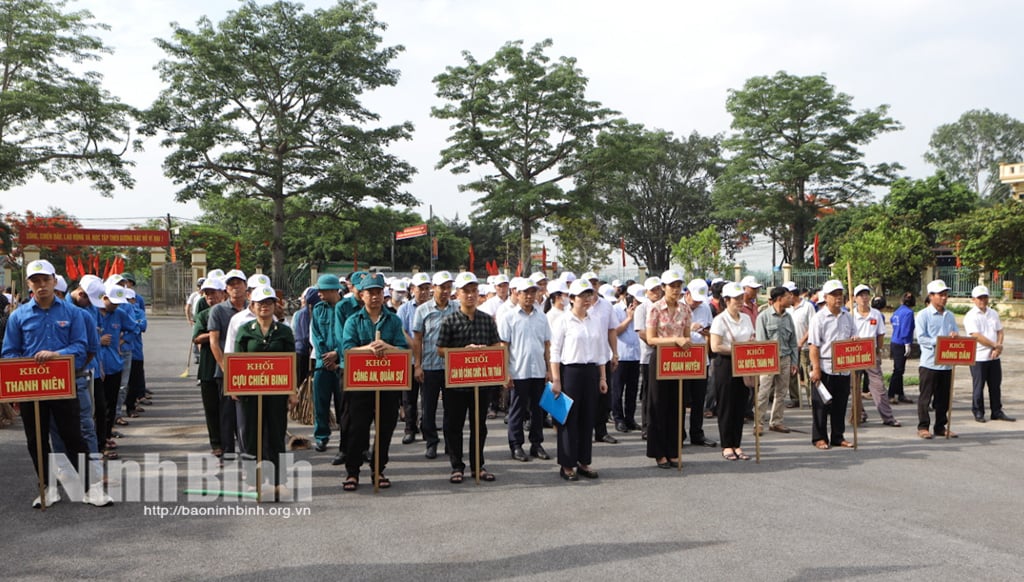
point(544, 259)
point(995, 275)
point(69, 266)
point(519, 270)
point(106, 269)
point(355, 257)
point(472, 257)
point(622, 246)
point(95, 264)
point(81, 269)
point(238, 255)
point(120, 264)
point(817, 261)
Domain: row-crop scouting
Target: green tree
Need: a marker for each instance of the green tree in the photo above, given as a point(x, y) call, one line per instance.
point(57, 122)
point(701, 254)
point(922, 203)
point(971, 149)
point(795, 153)
point(885, 251)
point(652, 188)
point(990, 237)
point(266, 105)
point(580, 246)
point(527, 120)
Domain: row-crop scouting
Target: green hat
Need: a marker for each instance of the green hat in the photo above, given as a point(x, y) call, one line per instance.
point(328, 282)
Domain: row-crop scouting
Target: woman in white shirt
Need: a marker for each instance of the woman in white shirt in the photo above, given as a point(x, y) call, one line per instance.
point(579, 352)
point(728, 327)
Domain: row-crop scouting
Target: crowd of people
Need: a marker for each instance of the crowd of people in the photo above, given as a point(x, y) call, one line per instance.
point(589, 340)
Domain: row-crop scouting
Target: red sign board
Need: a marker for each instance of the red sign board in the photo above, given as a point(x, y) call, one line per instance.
point(955, 351)
point(466, 367)
point(411, 232)
point(24, 379)
point(366, 371)
point(254, 373)
point(755, 358)
point(675, 363)
point(83, 237)
point(854, 354)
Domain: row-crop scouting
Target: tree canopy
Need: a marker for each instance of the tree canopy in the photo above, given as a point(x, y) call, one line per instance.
point(971, 149)
point(795, 156)
point(526, 120)
point(266, 105)
point(56, 121)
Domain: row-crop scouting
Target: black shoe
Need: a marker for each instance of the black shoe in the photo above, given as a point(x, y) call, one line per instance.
point(339, 459)
point(607, 439)
point(1002, 416)
point(706, 443)
point(979, 418)
point(539, 452)
point(633, 426)
point(568, 476)
point(431, 451)
point(409, 438)
point(320, 446)
point(588, 473)
point(519, 454)
point(621, 427)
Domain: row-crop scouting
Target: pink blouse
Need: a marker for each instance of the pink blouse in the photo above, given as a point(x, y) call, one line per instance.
point(658, 316)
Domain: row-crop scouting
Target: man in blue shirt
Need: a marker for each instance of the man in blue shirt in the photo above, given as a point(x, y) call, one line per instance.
point(899, 346)
point(419, 293)
point(931, 323)
point(44, 329)
point(429, 370)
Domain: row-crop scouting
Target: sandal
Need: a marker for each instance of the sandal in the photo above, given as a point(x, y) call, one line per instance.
point(846, 444)
point(485, 476)
point(351, 483)
point(121, 422)
point(111, 455)
point(456, 477)
point(741, 456)
point(383, 482)
point(730, 456)
point(217, 453)
point(822, 445)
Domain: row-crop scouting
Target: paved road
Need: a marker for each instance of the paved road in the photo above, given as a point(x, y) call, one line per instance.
point(897, 507)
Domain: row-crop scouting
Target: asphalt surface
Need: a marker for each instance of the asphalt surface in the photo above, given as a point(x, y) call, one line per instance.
point(898, 507)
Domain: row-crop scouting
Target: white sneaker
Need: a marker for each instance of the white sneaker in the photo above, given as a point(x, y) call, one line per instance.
point(52, 496)
point(98, 497)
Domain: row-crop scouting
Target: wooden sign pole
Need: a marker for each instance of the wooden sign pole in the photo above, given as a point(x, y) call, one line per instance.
point(682, 411)
point(259, 448)
point(757, 422)
point(476, 433)
point(949, 408)
point(376, 439)
point(855, 393)
point(39, 458)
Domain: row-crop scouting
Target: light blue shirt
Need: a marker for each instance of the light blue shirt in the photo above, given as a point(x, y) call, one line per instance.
point(427, 321)
point(629, 341)
point(929, 325)
point(526, 334)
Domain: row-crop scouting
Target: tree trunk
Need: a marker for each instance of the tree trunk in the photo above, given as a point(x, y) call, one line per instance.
point(277, 243)
point(525, 248)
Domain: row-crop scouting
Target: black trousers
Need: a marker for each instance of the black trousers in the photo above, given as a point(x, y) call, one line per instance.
point(458, 403)
point(582, 383)
point(934, 390)
point(625, 385)
point(991, 373)
point(899, 366)
point(645, 388)
point(136, 385)
point(524, 402)
point(834, 412)
point(356, 421)
point(67, 414)
point(275, 425)
point(694, 393)
point(663, 417)
point(228, 421)
point(105, 404)
point(733, 397)
point(433, 380)
point(410, 405)
point(604, 403)
point(210, 393)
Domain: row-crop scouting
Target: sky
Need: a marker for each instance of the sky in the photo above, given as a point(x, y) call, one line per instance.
point(665, 64)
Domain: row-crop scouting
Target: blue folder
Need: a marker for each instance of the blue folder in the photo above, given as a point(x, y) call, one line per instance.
point(557, 406)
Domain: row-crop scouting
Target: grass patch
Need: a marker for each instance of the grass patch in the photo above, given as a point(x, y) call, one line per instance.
point(907, 380)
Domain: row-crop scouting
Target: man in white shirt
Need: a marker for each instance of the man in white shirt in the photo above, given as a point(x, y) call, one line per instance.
point(602, 309)
point(801, 311)
point(984, 325)
point(870, 324)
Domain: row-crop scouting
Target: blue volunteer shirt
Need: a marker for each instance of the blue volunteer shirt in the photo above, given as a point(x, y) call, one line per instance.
point(116, 324)
point(903, 325)
point(32, 329)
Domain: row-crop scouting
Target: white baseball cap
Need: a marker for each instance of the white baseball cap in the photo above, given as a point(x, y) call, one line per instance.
point(607, 291)
point(750, 281)
point(113, 279)
point(590, 276)
point(484, 289)
point(557, 286)
point(522, 284)
point(94, 290)
point(979, 291)
point(420, 278)
point(465, 278)
point(257, 280)
point(580, 286)
point(670, 276)
point(62, 284)
point(130, 293)
point(651, 283)
point(732, 290)
point(791, 286)
point(399, 285)
point(214, 283)
point(567, 276)
point(831, 285)
point(860, 289)
point(442, 277)
point(636, 290)
point(538, 276)
point(116, 294)
point(234, 274)
point(937, 286)
point(698, 289)
point(262, 293)
point(215, 274)
point(40, 267)
point(499, 279)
